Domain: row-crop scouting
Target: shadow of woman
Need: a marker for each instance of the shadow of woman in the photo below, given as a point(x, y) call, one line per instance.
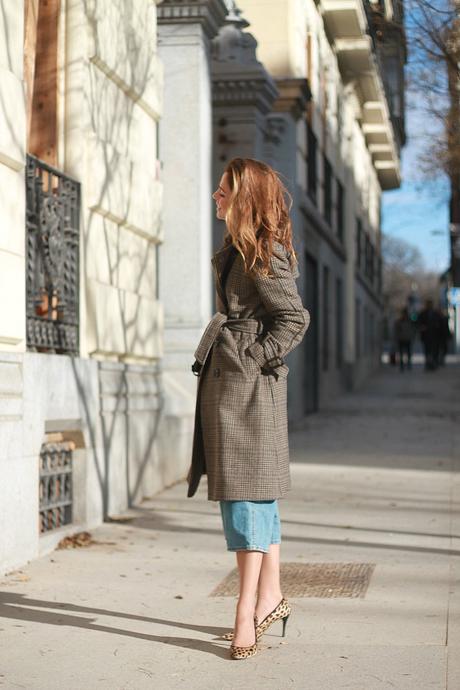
point(18, 607)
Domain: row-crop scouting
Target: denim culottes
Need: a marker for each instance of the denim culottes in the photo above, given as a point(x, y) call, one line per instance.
point(251, 525)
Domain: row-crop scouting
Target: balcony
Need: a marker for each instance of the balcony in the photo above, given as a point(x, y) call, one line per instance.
point(344, 18)
point(350, 35)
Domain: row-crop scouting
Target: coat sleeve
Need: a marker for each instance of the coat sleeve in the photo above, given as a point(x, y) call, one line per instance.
point(289, 318)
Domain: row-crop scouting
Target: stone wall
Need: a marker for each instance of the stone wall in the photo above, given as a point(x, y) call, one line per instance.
point(109, 401)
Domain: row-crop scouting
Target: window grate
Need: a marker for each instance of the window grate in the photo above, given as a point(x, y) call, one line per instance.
point(52, 232)
point(55, 485)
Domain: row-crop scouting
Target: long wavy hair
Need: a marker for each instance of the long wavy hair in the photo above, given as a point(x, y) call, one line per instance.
point(258, 213)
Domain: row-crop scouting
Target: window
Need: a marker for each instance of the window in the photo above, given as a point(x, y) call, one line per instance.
point(338, 323)
point(311, 164)
point(379, 274)
point(339, 116)
point(358, 328)
point(369, 258)
point(372, 264)
point(325, 318)
point(366, 256)
point(372, 333)
point(340, 210)
point(366, 330)
point(359, 241)
point(327, 191)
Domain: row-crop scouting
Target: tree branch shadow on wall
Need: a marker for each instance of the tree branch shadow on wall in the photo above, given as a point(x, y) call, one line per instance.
point(129, 262)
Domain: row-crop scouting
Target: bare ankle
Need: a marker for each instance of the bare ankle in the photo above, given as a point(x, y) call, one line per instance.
point(245, 609)
point(269, 597)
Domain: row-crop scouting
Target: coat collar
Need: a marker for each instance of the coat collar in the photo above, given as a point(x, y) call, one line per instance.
point(219, 257)
point(218, 261)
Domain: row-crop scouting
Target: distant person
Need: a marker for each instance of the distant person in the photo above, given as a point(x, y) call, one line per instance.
point(429, 325)
point(444, 336)
point(403, 336)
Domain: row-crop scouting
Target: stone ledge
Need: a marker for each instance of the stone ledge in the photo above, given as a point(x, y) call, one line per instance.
point(209, 13)
point(294, 95)
point(250, 91)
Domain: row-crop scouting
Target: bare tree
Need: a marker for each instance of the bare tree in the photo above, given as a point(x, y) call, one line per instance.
point(433, 28)
point(406, 282)
point(433, 32)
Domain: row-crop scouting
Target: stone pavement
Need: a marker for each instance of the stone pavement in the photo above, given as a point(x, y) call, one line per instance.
point(376, 480)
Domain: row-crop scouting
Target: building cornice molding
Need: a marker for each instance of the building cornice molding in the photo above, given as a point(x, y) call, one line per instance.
point(252, 90)
point(210, 14)
point(238, 78)
point(294, 94)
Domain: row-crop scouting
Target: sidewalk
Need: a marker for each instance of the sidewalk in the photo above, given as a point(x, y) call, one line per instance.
point(376, 482)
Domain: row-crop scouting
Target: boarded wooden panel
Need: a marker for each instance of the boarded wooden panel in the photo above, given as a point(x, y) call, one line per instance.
point(43, 126)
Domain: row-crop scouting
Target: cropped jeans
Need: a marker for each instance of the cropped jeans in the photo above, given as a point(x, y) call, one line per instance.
point(251, 525)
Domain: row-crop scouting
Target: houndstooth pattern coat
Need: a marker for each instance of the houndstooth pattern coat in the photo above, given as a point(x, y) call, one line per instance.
point(240, 434)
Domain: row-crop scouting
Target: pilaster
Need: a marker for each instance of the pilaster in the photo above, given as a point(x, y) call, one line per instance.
point(12, 187)
point(185, 29)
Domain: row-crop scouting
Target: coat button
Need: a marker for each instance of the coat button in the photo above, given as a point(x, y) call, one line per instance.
point(216, 372)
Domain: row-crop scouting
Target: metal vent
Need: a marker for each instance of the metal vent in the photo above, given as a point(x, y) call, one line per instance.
point(55, 485)
point(323, 580)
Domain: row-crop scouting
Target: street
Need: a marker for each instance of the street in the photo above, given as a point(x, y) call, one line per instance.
point(376, 483)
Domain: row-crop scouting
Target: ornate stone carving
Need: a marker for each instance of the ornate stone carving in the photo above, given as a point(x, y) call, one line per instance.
point(238, 76)
point(232, 44)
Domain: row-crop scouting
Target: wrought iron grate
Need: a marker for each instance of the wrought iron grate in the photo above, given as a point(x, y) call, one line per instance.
point(323, 580)
point(52, 231)
point(55, 485)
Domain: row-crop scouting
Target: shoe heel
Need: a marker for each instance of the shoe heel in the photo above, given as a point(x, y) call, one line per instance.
point(285, 620)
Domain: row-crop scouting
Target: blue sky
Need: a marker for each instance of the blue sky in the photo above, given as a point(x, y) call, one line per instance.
point(420, 206)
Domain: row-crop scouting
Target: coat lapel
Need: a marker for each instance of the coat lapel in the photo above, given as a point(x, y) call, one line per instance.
point(218, 261)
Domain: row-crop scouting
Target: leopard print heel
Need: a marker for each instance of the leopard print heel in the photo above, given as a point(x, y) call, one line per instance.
point(282, 611)
point(245, 652)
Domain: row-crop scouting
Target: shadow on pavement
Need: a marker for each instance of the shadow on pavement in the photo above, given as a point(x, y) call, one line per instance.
point(18, 607)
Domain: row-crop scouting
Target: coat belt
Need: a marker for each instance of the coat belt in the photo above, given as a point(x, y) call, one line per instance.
point(212, 330)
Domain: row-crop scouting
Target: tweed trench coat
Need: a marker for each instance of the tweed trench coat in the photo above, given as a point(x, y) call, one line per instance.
point(240, 434)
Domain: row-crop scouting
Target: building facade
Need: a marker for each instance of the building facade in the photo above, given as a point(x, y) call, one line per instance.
point(116, 120)
point(81, 328)
point(337, 155)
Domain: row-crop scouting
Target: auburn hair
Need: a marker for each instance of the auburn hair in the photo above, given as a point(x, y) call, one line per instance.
point(258, 213)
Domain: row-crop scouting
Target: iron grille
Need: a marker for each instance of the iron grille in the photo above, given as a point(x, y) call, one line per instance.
point(52, 232)
point(55, 485)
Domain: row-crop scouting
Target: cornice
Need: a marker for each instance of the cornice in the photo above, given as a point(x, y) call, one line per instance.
point(294, 94)
point(210, 14)
point(252, 90)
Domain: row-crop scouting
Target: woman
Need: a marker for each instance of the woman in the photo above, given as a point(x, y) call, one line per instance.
point(240, 437)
